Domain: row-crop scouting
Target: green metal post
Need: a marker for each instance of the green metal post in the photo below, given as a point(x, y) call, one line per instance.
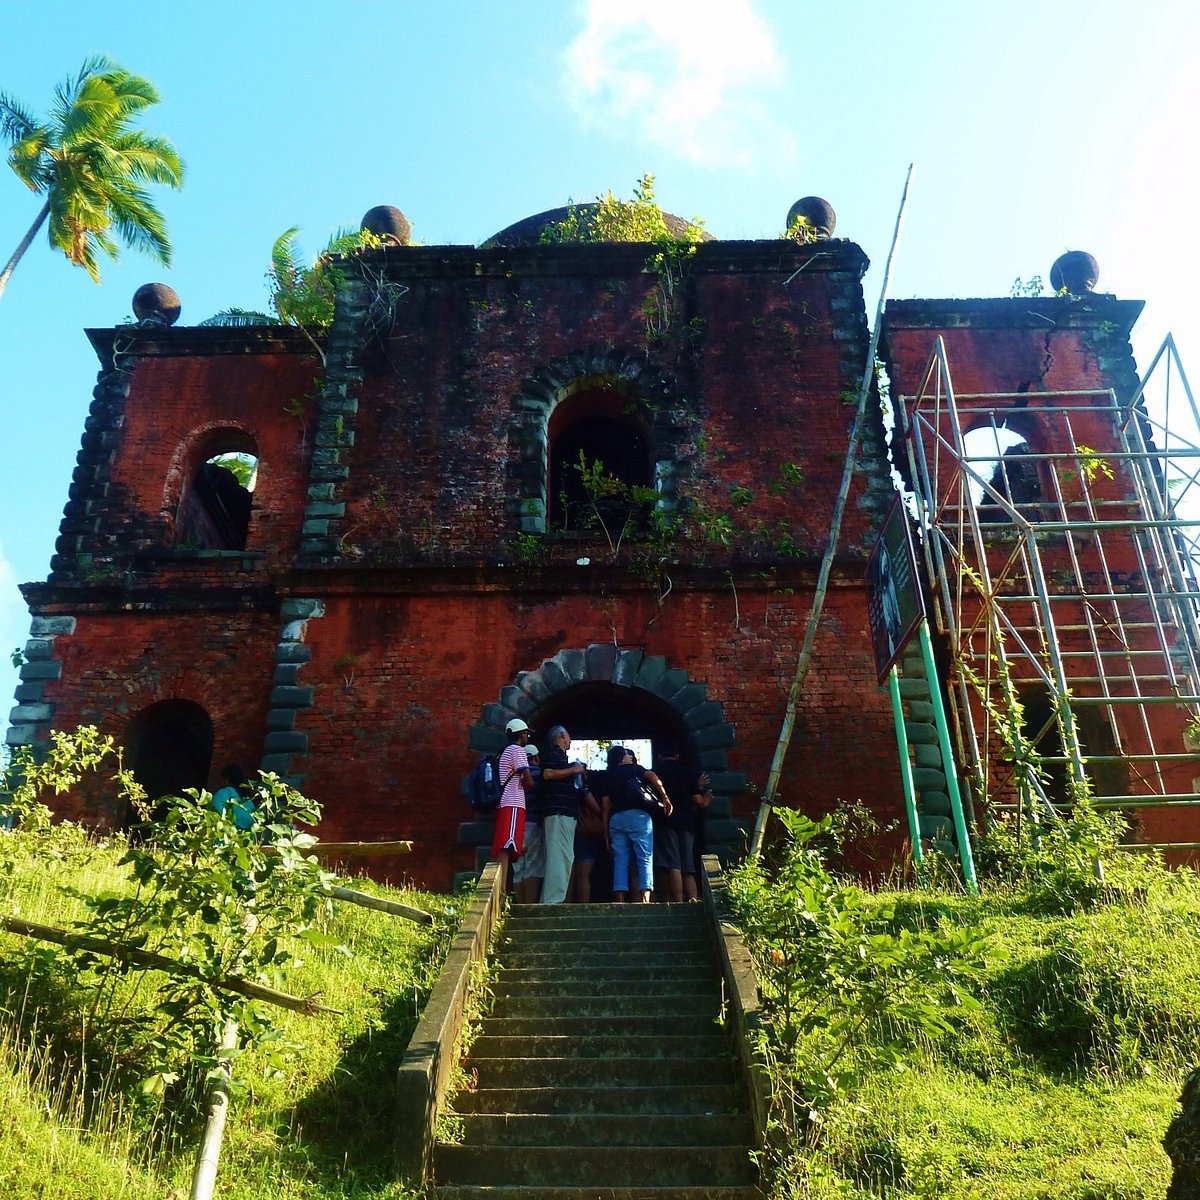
point(966, 857)
point(906, 776)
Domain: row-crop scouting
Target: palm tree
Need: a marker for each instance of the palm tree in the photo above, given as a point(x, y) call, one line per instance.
point(90, 166)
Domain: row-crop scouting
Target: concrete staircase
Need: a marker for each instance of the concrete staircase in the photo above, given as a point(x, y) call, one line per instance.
point(602, 1072)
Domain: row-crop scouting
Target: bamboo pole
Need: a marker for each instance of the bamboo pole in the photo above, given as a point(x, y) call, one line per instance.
point(835, 528)
point(159, 962)
point(349, 849)
point(350, 896)
point(204, 1176)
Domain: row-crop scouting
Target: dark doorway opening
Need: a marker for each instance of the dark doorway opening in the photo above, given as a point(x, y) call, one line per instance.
point(170, 747)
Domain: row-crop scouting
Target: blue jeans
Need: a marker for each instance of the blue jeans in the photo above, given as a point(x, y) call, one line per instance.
point(631, 833)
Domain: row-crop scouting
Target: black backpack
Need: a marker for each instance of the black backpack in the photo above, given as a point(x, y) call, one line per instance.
point(484, 785)
point(639, 794)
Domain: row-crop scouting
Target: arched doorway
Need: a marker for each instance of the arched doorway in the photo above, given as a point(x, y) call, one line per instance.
point(170, 747)
point(604, 692)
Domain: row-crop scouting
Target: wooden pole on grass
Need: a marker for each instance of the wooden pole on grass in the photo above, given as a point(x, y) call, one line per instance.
point(204, 1176)
point(159, 962)
point(350, 896)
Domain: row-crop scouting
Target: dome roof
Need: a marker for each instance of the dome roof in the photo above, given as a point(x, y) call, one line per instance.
point(529, 231)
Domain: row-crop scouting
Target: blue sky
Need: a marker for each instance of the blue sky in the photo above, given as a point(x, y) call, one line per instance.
point(1035, 128)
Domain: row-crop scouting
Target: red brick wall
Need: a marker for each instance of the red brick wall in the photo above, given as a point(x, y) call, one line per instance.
point(173, 403)
point(399, 680)
point(116, 665)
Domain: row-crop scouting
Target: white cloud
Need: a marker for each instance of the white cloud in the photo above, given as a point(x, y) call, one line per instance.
point(688, 76)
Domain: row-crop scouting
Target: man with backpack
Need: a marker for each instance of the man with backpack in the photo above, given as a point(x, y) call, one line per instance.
point(508, 840)
point(528, 870)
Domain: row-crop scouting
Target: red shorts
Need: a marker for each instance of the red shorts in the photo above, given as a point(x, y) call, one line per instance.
point(510, 831)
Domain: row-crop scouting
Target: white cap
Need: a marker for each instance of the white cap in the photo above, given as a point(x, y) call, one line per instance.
point(516, 725)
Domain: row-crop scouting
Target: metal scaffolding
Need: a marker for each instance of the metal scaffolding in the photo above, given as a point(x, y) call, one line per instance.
point(1062, 573)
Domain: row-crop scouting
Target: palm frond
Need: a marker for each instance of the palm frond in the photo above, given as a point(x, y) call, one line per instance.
point(140, 224)
point(16, 122)
point(90, 164)
point(234, 318)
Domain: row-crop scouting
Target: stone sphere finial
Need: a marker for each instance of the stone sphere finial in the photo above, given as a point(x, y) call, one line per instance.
point(817, 212)
point(156, 303)
point(1076, 271)
point(388, 223)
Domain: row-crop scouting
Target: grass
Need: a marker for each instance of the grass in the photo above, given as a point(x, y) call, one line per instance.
point(1059, 1087)
point(322, 1130)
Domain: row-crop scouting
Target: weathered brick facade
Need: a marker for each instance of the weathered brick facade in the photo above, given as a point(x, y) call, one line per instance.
point(403, 588)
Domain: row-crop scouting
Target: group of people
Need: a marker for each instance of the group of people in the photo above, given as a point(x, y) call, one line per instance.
point(555, 820)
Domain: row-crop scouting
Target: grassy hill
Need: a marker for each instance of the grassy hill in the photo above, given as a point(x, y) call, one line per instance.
point(1027, 1044)
point(75, 1127)
point(1016, 1046)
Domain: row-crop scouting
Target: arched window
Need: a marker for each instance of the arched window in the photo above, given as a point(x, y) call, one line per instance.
point(598, 454)
point(1001, 456)
point(214, 510)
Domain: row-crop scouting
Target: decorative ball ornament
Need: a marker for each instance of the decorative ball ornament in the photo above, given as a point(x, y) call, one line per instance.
point(156, 303)
point(388, 223)
point(1076, 272)
point(817, 212)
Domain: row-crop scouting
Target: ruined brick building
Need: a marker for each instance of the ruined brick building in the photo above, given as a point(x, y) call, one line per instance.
point(417, 557)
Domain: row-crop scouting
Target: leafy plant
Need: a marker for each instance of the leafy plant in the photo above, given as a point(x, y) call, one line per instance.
point(214, 903)
point(243, 467)
point(802, 230)
point(222, 903)
point(845, 989)
point(304, 294)
point(640, 219)
point(611, 505)
point(1032, 287)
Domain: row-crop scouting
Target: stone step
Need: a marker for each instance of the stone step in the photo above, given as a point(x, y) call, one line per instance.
point(689, 1009)
point(595, 1166)
point(597, 1072)
point(524, 1191)
point(580, 954)
point(580, 914)
point(629, 1045)
point(509, 985)
point(586, 973)
point(658, 1025)
point(587, 1129)
point(661, 1099)
point(606, 939)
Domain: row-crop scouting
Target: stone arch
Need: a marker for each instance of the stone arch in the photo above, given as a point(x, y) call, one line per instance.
point(698, 721)
point(652, 392)
point(198, 502)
